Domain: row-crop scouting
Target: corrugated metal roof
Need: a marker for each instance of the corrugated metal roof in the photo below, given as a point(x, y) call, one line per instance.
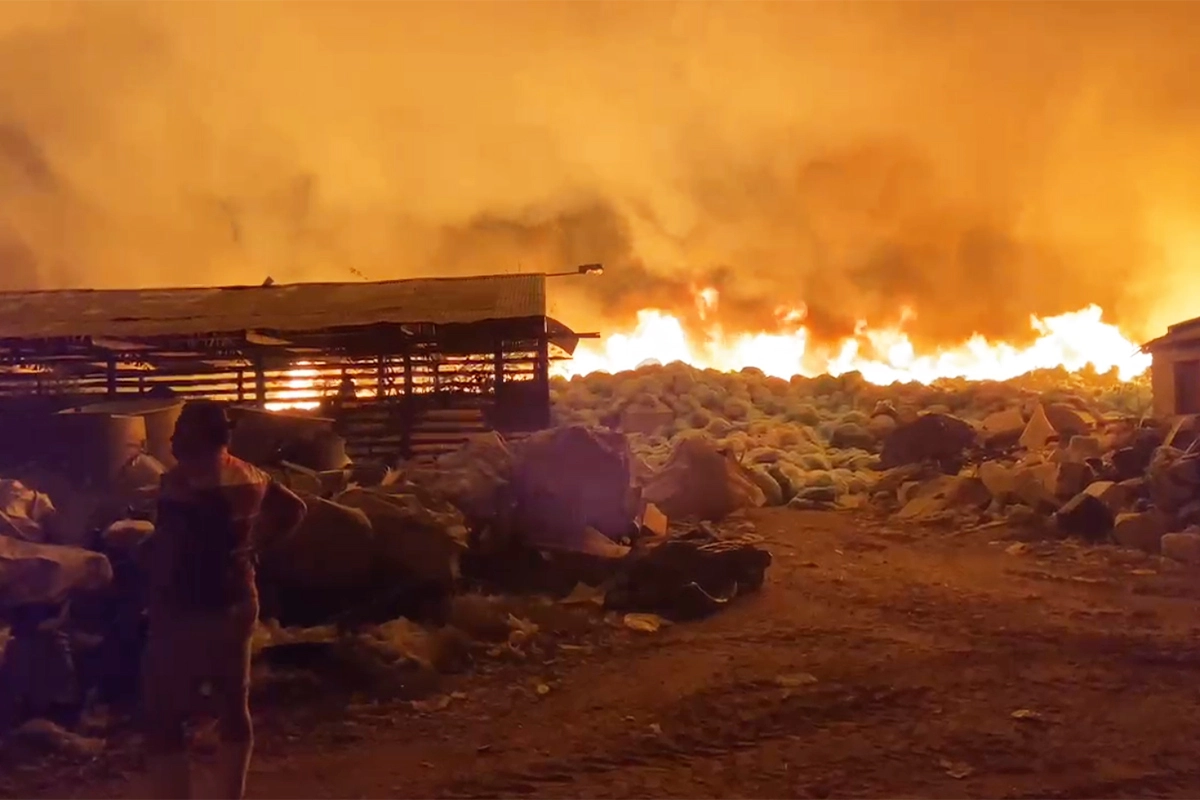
point(281, 307)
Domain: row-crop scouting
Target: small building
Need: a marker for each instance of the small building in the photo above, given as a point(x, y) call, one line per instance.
point(385, 360)
point(1175, 369)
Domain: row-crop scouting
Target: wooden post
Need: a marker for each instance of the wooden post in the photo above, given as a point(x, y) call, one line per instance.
point(260, 382)
point(112, 377)
point(381, 378)
point(543, 380)
point(498, 366)
point(408, 413)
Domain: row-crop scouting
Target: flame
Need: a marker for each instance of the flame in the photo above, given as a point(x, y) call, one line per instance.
point(883, 355)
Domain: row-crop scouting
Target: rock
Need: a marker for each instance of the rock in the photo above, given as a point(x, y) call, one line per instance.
point(700, 481)
point(1085, 516)
point(947, 493)
point(1171, 478)
point(1082, 449)
point(1038, 431)
point(1141, 531)
point(1183, 547)
point(1111, 494)
point(849, 436)
point(1069, 421)
point(935, 437)
point(653, 521)
point(1000, 479)
point(1062, 480)
point(567, 479)
point(48, 574)
point(1003, 427)
point(1132, 462)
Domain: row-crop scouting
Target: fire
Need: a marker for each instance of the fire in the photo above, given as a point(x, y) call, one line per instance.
point(883, 355)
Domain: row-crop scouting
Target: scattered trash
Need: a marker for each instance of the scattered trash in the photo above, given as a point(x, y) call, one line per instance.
point(44, 734)
point(956, 769)
point(644, 623)
point(583, 594)
point(795, 680)
point(543, 689)
point(438, 703)
point(1026, 714)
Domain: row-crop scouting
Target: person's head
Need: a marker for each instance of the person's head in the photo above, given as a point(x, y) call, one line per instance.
point(201, 432)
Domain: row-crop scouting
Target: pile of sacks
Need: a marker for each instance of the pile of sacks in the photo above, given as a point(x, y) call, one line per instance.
point(825, 441)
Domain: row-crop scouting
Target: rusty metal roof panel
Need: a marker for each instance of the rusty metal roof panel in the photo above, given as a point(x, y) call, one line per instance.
point(279, 307)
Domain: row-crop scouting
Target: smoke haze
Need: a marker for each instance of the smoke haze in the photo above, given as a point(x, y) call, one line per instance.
point(975, 162)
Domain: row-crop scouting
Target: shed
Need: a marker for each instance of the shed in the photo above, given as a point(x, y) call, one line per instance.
point(1175, 369)
point(379, 357)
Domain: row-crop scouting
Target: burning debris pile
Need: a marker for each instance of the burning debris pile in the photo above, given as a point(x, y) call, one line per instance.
point(382, 568)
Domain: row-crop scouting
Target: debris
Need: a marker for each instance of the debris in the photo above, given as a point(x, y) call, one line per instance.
point(1141, 530)
point(1085, 516)
point(583, 594)
point(543, 689)
point(652, 521)
point(46, 735)
point(930, 437)
point(701, 482)
point(956, 769)
point(644, 623)
point(46, 573)
point(1184, 547)
point(1026, 714)
point(946, 493)
point(690, 575)
point(795, 680)
point(1038, 431)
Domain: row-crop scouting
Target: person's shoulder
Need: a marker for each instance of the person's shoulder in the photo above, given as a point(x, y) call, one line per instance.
point(244, 471)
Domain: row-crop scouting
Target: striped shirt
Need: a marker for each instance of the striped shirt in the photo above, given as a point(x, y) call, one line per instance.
point(204, 557)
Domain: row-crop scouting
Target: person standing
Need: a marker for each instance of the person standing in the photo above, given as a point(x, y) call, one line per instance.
point(213, 510)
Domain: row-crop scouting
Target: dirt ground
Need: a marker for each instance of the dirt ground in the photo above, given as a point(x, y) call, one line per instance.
point(878, 661)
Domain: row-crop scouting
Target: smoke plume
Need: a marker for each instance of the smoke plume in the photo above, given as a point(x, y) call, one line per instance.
point(973, 163)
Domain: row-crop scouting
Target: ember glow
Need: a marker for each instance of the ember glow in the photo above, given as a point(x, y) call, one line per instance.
point(883, 355)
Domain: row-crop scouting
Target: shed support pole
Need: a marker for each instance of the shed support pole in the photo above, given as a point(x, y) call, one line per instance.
point(112, 377)
point(498, 368)
point(381, 378)
point(260, 382)
point(543, 380)
point(241, 386)
point(407, 407)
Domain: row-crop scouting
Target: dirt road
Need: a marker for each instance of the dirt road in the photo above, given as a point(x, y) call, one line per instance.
point(876, 662)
